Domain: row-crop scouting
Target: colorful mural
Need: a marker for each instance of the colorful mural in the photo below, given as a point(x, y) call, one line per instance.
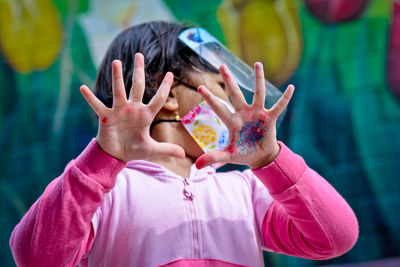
point(344, 119)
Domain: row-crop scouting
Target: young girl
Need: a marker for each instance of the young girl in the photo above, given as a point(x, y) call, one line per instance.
point(134, 196)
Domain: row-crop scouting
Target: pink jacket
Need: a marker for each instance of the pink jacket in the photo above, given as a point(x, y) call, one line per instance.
point(102, 212)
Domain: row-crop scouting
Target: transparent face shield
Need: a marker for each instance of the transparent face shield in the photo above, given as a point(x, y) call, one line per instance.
point(211, 50)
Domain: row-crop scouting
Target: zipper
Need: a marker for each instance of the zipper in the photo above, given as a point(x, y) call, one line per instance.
point(189, 195)
point(187, 190)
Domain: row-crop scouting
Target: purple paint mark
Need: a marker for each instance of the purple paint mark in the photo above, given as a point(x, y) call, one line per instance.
point(251, 135)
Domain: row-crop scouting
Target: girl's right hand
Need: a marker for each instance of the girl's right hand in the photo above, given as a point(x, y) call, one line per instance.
point(124, 129)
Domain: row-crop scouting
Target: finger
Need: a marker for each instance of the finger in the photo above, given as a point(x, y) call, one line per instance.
point(118, 87)
point(259, 82)
point(283, 101)
point(138, 79)
point(92, 100)
point(220, 109)
point(236, 95)
point(168, 150)
point(160, 97)
point(212, 157)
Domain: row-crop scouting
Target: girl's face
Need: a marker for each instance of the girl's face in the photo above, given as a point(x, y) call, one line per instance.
point(188, 98)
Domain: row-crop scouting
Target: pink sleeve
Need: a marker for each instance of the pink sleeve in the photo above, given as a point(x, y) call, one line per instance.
point(308, 218)
point(56, 231)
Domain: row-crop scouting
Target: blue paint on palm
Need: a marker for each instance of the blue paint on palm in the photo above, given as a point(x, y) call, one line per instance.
point(251, 135)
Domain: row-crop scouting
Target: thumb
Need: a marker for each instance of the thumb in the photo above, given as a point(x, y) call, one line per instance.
point(212, 157)
point(168, 150)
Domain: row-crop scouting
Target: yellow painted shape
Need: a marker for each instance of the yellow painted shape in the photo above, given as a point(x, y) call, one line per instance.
point(267, 31)
point(204, 134)
point(30, 34)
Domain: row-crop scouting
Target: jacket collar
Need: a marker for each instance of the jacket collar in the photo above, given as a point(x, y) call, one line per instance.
point(159, 171)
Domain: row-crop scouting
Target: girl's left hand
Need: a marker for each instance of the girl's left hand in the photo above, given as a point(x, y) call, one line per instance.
point(252, 128)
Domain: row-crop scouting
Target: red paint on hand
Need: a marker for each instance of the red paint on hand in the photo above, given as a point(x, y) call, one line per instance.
point(141, 62)
point(201, 162)
point(104, 120)
point(231, 148)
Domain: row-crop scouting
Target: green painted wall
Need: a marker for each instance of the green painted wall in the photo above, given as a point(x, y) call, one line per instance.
point(344, 118)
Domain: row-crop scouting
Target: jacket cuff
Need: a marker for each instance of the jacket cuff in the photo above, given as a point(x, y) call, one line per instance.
point(99, 165)
point(283, 172)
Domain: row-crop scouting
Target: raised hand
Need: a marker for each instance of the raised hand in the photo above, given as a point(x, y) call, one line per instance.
point(252, 128)
point(124, 129)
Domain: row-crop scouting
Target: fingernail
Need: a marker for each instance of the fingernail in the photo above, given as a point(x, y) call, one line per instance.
point(258, 65)
point(116, 63)
point(200, 162)
point(225, 71)
point(169, 77)
point(140, 59)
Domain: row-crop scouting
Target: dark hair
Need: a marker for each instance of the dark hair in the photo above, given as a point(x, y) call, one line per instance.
point(163, 52)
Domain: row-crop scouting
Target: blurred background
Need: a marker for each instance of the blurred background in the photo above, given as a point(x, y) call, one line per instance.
point(343, 57)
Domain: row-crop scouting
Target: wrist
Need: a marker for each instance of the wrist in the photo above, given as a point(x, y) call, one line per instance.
point(267, 159)
point(102, 145)
point(99, 165)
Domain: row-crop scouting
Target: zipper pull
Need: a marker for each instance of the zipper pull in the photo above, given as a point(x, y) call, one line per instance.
point(187, 192)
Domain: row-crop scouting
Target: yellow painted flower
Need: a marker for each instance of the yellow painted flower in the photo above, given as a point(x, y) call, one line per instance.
point(264, 30)
point(204, 134)
point(30, 34)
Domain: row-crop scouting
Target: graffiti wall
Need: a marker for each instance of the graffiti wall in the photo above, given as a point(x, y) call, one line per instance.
point(342, 56)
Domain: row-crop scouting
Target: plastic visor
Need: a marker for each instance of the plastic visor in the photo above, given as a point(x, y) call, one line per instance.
point(211, 50)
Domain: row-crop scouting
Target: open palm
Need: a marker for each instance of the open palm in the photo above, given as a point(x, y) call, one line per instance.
point(124, 129)
point(252, 128)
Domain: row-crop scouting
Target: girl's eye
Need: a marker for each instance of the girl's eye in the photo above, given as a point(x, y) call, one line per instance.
point(222, 85)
